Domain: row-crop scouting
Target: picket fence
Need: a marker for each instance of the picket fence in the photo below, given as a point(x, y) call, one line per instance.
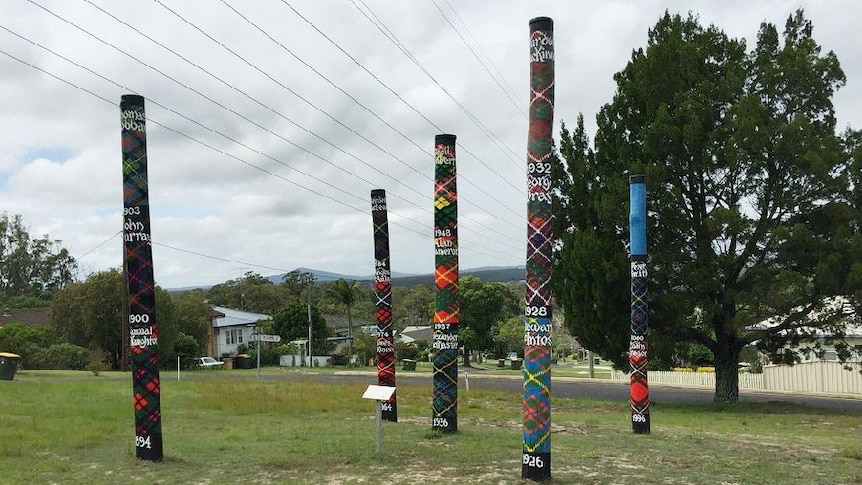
point(807, 377)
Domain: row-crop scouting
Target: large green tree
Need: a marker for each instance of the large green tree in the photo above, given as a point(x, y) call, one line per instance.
point(193, 315)
point(252, 292)
point(347, 294)
point(748, 203)
point(90, 314)
point(31, 267)
point(415, 305)
point(483, 307)
point(291, 323)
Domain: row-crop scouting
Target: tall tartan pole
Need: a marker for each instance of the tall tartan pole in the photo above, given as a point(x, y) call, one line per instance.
point(137, 250)
point(383, 295)
point(536, 462)
point(639, 387)
point(447, 306)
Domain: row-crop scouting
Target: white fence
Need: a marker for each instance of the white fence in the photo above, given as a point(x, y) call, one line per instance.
point(816, 377)
point(292, 360)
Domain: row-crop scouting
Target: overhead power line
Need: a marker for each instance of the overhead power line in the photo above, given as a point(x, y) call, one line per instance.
point(471, 247)
point(318, 108)
point(508, 95)
point(378, 80)
point(381, 26)
point(308, 102)
point(246, 118)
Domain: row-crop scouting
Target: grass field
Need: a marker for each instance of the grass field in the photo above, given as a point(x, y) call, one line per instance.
point(225, 427)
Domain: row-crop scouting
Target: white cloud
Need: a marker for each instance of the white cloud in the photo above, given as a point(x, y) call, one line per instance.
point(60, 145)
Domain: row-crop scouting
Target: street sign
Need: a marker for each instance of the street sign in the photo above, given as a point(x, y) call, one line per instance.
point(266, 338)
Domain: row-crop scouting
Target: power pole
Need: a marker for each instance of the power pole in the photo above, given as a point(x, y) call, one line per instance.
point(310, 277)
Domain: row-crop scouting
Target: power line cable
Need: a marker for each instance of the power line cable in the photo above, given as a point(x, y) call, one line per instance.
point(267, 107)
point(219, 133)
point(479, 59)
point(126, 88)
point(511, 91)
point(241, 160)
point(374, 76)
point(372, 112)
point(230, 110)
point(98, 245)
point(381, 26)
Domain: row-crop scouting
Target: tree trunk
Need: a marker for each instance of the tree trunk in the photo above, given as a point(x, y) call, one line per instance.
point(726, 372)
point(467, 357)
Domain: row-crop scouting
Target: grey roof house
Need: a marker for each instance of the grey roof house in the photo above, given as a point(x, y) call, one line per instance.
point(230, 329)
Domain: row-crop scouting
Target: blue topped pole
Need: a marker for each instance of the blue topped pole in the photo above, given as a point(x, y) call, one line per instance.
point(637, 215)
point(639, 387)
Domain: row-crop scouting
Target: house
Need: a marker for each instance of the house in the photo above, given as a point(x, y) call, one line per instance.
point(412, 333)
point(39, 317)
point(338, 324)
point(822, 347)
point(230, 329)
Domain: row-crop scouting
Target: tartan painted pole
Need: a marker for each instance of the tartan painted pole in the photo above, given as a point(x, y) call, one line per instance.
point(138, 263)
point(447, 306)
point(383, 294)
point(639, 386)
point(536, 460)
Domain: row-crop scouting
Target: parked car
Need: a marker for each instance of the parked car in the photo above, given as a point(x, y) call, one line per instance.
point(511, 356)
point(208, 362)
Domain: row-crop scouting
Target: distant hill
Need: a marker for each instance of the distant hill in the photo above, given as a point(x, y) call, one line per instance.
point(487, 275)
point(502, 274)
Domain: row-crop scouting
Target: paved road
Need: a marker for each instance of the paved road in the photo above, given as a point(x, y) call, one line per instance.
point(601, 389)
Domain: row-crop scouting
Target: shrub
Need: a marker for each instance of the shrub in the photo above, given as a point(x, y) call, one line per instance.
point(95, 368)
point(405, 351)
point(271, 355)
point(186, 348)
point(26, 341)
point(64, 356)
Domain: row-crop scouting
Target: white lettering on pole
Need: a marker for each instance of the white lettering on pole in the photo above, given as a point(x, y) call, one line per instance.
point(130, 225)
point(533, 461)
point(378, 203)
point(137, 237)
point(535, 311)
point(143, 442)
point(142, 336)
point(133, 120)
point(444, 341)
point(540, 47)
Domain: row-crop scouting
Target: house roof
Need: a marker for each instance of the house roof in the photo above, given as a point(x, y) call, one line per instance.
point(232, 318)
point(339, 322)
point(416, 332)
point(849, 318)
point(28, 316)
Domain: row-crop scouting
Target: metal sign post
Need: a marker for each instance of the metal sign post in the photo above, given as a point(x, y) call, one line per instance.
point(380, 394)
point(263, 338)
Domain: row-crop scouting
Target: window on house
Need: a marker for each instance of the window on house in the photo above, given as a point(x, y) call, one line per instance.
point(233, 337)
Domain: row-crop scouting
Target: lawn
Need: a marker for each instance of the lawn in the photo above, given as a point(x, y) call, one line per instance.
point(225, 427)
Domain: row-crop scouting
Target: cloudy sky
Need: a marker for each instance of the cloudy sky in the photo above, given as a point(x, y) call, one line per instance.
point(269, 122)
